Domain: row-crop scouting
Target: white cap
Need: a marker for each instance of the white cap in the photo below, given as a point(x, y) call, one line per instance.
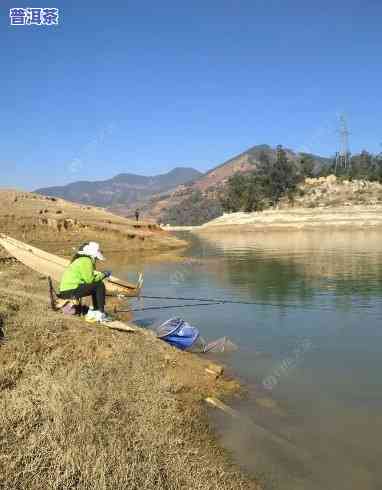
point(92, 249)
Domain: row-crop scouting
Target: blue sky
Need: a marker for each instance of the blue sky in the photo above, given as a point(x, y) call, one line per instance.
point(144, 86)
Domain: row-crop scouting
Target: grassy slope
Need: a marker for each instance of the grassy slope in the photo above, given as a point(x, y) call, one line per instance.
point(88, 408)
point(46, 222)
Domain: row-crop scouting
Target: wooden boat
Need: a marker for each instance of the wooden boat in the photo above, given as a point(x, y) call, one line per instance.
point(52, 266)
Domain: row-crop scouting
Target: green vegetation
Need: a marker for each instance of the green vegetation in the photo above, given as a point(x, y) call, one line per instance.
point(276, 175)
point(275, 179)
point(362, 166)
point(307, 165)
point(265, 186)
point(193, 211)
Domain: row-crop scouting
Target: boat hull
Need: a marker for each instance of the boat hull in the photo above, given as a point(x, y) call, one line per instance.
point(51, 265)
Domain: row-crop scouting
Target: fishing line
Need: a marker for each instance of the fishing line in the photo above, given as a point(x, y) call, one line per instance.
point(168, 307)
point(221, 301)
point(206, 301)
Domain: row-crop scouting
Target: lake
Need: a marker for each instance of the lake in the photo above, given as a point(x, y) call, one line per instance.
point(310, 348)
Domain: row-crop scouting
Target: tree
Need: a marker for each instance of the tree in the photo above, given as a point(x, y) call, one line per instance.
point(283, 176)
point(194, 210)
point(362, 166)
point(254, 197)
point(377, 167)
point(244, 192)
point(267, 185)
point(306, 165)
point(232, 197)
point(328, 169)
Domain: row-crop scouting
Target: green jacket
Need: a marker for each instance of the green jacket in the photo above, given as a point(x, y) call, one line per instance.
point(80, 271)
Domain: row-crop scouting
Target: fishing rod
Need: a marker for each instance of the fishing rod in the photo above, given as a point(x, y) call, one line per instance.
point(220, 301)
point(60, 262)
point(206, 302)
point(209, 300)
point(166, 307)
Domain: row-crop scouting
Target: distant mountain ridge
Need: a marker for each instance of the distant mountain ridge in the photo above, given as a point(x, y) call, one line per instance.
point(158, 197)
point(245, 162)
point(196, 201)
point(123, 189)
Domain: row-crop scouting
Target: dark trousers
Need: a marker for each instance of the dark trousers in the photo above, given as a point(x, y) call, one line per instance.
point(96, 290)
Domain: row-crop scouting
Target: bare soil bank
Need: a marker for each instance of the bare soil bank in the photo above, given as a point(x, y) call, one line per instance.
point(88, 408)
point(319, 202)
point(344, 217)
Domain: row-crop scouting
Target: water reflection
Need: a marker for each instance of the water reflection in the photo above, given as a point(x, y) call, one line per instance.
point(300, 264)
point(319, 426)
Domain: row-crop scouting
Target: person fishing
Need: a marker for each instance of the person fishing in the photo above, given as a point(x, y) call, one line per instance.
point(81, 280)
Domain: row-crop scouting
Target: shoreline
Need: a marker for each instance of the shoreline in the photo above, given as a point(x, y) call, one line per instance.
point(341, 218)
point(132, 387)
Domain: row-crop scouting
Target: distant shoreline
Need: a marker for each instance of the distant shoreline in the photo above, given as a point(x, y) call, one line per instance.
point(344, 217)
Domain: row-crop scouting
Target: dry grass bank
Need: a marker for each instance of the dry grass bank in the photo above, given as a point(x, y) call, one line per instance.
point(83, 407)
point(46, 222)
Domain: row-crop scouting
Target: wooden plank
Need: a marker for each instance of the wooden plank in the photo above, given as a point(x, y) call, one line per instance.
point(117, 325)
point(215, 369)
point(215, 402)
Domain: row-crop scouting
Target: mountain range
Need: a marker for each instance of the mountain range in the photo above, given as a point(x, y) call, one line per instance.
point(123, 189)
point(196, 201)
point(158, 196)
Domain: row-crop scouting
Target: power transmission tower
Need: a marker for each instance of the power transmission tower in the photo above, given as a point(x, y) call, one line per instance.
point(343, 156)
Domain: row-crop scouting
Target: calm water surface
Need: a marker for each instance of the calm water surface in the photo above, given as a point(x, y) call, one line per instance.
point(310, 351)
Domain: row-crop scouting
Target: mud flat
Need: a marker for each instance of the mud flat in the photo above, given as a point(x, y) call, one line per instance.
point(86, 407)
